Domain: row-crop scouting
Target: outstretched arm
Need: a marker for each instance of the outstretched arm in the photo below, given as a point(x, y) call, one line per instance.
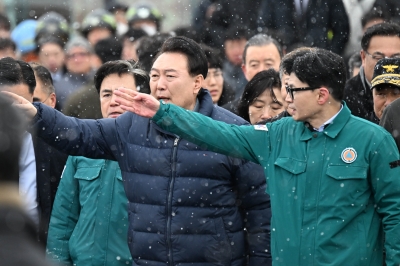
point(90, 138)
point(238, 141)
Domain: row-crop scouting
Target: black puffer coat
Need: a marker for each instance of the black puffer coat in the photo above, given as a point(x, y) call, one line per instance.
point(187, 205)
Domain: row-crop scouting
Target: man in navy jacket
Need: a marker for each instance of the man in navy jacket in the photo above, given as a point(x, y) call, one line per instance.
point(187, 205)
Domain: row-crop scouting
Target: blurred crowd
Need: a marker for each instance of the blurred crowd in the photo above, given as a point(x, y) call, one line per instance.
point(249, 48)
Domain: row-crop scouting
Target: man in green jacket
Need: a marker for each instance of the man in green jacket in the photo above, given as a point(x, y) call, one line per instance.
point(333, 178)
point(89, 222)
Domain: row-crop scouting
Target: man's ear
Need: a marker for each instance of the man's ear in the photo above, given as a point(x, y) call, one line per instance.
point(198, 83)
point(244, 70)
point(363, 55)
point(52, 100)
point(323, 95)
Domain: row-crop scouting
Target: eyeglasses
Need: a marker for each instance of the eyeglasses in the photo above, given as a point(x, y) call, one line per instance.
point(37, 100)
point(75, 55)
point(378, 56)
point(290, 90)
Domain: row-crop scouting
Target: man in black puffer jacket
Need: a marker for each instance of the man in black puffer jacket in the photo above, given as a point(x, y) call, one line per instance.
point(187, 205)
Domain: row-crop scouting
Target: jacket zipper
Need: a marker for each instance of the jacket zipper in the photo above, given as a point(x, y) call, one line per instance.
point(169, 203)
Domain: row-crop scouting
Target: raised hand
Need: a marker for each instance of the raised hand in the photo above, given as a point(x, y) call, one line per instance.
point(139, 103)
point(25, 106)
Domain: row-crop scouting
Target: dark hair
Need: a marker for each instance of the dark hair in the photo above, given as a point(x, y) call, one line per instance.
point(108, 49)
point(14, 72)
point(48, 39)
point(148, 47)
point(4, 22)
point(7, 43)
point(262, 40)
point(286, 65)
point(374, 13)
point(214, 57)
point(43, 74)
point(321, 67)
point(134, 34)
point(381, 29)
point(12, 129)
point(188, 32)
point(262, 81)
point(197, 60)
point(237, 32)
point(122, 67)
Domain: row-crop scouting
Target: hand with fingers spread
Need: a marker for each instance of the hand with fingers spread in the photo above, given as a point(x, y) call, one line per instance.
point(139, 103)
point(25, 106)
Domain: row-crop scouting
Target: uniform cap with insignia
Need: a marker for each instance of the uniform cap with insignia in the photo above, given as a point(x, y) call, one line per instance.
point(99, 18)
point(144, 11)
point(386, 72)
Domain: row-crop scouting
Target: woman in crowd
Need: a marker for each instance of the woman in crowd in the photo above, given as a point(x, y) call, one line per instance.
point(220, 91)
point(262, 99)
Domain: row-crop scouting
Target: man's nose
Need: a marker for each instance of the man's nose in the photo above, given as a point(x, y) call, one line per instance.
point(112, 101)
point(288, 98)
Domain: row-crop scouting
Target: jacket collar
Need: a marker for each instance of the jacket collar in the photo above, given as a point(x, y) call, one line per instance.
point(204, 106)
point(366, 85)
point(334, 128)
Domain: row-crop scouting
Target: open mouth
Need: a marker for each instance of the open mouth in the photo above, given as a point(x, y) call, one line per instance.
point(165, 99)
point(114, 114)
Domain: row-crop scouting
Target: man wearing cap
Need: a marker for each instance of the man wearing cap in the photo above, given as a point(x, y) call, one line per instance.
point(385, 92)
point(24, 37)
point(385, 84)
point(97, 25)
point(144, 16)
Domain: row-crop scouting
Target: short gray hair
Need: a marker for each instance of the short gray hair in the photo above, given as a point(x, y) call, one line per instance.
point(80, 42)
point(261, 40)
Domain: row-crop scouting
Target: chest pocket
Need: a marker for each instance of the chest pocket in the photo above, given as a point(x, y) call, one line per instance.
point(344, 172)
point(347, 184)
point(291, 165)
point(87, 173)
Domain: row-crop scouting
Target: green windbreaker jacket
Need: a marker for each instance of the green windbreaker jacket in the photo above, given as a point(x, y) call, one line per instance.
point(89, 221)
point(333, 193)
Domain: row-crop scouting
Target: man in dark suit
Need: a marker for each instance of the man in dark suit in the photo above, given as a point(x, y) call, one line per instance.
point(18, 244)
point(40, 165)
point(312, 23)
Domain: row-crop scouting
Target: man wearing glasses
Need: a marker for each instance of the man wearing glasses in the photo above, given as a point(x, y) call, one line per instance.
point(379, 41)
point(332, 178)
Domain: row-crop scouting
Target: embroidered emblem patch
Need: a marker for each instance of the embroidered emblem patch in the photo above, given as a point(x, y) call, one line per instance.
point(261, 127)
point(349, 155)
point(390, 68)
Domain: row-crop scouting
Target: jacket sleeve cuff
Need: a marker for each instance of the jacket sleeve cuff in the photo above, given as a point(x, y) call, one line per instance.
point(164, 107)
